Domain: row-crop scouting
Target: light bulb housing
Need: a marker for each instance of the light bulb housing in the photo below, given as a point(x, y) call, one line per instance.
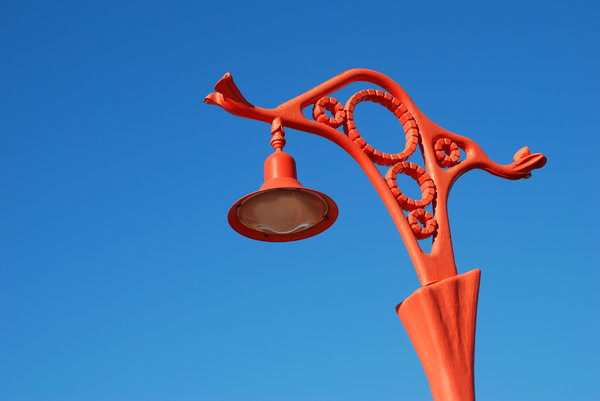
point(282, 209)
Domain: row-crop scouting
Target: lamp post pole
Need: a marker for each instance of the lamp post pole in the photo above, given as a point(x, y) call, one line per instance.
point(440, 316)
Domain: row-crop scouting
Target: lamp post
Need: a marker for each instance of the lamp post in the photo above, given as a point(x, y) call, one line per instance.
point(440, 316)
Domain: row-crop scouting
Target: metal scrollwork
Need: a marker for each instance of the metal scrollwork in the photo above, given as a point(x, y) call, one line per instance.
point(422, 223)
point(335, 107)
point(429, 224)
point(418, 174)
point(416, 206)
point(446, 155)
point(447, 152)
point(400, 111)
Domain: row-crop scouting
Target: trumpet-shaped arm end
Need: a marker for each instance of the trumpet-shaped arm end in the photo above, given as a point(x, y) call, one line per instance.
point(227, 95)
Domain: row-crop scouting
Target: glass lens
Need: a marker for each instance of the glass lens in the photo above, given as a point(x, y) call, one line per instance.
point(282, 210)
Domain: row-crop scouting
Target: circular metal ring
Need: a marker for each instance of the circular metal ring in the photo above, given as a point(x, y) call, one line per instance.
point(427, 225)
point(447, 152)
point(416, 173)
point(335, 107)
point(400, 111)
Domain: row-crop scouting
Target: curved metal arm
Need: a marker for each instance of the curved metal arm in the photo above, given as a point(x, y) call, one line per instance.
point(433, 140)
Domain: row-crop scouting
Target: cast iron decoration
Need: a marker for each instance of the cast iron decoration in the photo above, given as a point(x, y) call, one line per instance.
point(440, 316)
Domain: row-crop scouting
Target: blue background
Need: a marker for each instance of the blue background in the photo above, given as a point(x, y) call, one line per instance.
point(120, 279)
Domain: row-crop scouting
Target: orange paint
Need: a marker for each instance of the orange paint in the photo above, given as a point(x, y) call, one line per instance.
point(280, 174)
point(440, 317)
point(440, 321)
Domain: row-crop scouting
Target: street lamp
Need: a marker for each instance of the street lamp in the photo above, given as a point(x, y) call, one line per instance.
point(440, 316)
point(282, 209)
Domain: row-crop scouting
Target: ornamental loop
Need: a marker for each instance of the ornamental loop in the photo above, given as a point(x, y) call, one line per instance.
point(336, 108)
point(418, 174)
point(447, 152)
point(400, 111)
point(422, 223)
point(345, 116)
point(429, 224)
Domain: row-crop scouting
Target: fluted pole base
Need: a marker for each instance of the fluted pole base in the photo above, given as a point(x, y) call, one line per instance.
point(440, 321)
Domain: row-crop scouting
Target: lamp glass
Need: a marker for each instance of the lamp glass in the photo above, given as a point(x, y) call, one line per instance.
point(282, 210)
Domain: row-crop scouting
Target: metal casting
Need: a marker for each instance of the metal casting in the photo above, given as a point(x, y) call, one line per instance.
point(280, 173)
point(440, 317)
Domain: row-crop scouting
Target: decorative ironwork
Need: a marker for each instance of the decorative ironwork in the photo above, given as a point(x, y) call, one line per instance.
point(429, 224)
point(418, 174)
point(277, 135)
point(447, 152)
point(441, 150)
point(440, 316)
point(400, 111)
point(335, 107)
point(345, 116)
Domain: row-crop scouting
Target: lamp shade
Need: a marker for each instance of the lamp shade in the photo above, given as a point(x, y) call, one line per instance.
point(282, 209)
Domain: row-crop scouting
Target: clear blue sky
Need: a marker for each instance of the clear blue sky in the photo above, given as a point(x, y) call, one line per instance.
point(120, 279)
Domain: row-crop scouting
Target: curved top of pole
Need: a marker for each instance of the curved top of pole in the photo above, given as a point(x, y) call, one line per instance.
point(441, 152)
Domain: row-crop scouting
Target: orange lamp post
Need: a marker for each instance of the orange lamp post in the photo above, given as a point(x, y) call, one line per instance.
point(440, 316)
